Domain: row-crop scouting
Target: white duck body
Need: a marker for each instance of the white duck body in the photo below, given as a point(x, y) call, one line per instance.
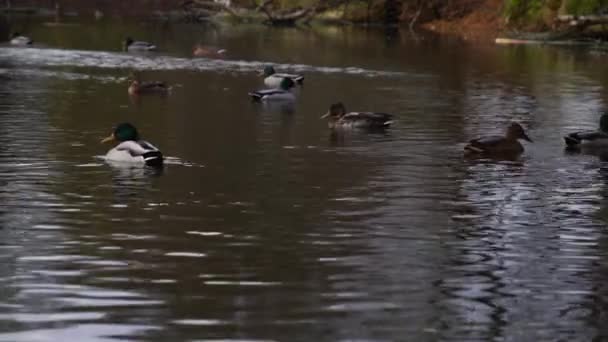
point(281, 94)
point(131, 45)
point(274, 80)
point(273, 95)
point(141, 46)
point(135, 152)
point(21, 41)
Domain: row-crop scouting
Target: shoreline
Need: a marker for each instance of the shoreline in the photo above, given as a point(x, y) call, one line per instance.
point(482, 23)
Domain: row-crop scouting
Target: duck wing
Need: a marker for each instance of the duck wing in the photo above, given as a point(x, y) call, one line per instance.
point(148, 152)
point(152, 156)
point(149, 85)
point(260, 94)
point(577, 138)
point(296, 78)
point(139, 45)
point(371, 118)
point(133, 147)
point(484, 143)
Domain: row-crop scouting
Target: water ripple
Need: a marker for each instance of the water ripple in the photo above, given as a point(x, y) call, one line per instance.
point(111, 60)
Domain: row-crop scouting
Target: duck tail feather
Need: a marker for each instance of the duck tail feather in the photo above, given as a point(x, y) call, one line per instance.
point(255, 97)
point(572, 140)
point(473, 149)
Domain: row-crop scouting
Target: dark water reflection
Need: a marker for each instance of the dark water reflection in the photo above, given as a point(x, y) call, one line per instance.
point(264, 226)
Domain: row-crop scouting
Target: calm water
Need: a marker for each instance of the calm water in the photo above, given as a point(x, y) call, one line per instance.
point(264, 226)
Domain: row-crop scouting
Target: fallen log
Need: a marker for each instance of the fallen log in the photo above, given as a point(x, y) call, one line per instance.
point(289, 18)
point(263, 5)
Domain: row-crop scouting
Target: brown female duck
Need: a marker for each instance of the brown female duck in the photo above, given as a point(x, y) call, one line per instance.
point(138, 87)
point(208, 51)
point(339, 118)
point(507, 144)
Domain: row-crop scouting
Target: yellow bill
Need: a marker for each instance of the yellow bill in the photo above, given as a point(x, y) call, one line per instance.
point(108, 139)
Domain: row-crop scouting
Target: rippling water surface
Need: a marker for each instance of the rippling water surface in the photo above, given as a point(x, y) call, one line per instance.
point(264, 226)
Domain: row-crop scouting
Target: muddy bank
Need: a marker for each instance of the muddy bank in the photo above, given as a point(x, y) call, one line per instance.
point(479, 20)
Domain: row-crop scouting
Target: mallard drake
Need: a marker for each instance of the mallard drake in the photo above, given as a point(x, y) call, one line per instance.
point(282, 93)
point(597, 138)
point(18, 39)
point(130, 148)
point(273, 80)
point(208, 51)
point(131, 45)
point(507, 144)
point(339, 118)
point(138, 87)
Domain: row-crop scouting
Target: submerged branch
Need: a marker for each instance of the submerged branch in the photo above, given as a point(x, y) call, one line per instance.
point(288, 18)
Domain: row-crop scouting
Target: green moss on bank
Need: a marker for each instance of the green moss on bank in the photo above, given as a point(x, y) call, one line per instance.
point(583, 7)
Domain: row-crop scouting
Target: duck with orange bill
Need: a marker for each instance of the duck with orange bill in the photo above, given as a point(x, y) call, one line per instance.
point(131, 149)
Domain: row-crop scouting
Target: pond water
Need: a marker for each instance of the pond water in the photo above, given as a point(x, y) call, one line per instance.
point(265, 226)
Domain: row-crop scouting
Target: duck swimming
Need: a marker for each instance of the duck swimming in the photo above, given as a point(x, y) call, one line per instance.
point(506, 145)
point(138, 87)
point(598, 138)
point(131, 149)
point(131, 45)
point(339, 118)
point(18, 39)
point(273, 80)
point(208, 51)
point(281, 94)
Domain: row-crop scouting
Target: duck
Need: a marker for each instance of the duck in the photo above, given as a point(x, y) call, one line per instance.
point(138, 87)
point(508, 144)
point(208, 51)
point(131, 45)
point(130, 148)
point(281, 94)
point(598, 138)
point(272, 79)
point(18, 39)
point(339, 118)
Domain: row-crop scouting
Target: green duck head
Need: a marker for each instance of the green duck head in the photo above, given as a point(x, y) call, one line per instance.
point(268, 71)
point(516, 131)
point(123, 132)
point(125, 43)
point(286, 83)
point(604, 123)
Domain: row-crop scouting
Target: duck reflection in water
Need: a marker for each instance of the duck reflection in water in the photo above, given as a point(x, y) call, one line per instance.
point(130, 181)
point(286, 108)
point(344, 137)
